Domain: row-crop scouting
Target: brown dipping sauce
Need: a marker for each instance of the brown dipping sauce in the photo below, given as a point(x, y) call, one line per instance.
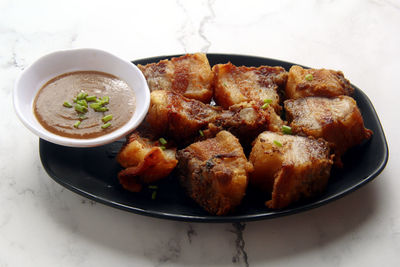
point(53, 116)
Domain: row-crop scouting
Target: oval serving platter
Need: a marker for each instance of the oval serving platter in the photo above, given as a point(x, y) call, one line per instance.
point(92, 172)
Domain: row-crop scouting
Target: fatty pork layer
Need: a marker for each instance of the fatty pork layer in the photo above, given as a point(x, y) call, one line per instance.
point(215, 173)
point(189, 75)
point(316, 82)
point(145, 162)
point(289, 168)
point(337, 120)
point(234, 85)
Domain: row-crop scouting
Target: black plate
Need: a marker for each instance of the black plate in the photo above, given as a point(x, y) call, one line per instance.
point(92, 172)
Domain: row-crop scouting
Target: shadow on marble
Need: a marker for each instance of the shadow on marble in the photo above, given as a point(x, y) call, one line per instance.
point(134, 237)
point(285, 237)
point(159, 241)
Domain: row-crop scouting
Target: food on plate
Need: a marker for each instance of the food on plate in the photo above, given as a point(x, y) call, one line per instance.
point(316, 82)
point(337, 120)
point(84, 104)
point(234, 85)
point(245, 120)
point(288, 168)
point(290, 154)
point(145, 161)
point(189, 75)
point(182, 119)
point(215, 172)
point(173, 115)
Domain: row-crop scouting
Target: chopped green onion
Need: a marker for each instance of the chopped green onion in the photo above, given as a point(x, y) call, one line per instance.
point(67, 104)
point(82, 116)
point(106, 125)
point(265, 106)
point(82, 102)
point(153, 195)
point(201, 133)
point(153, 187)
point(105, 99)
point(81, 96)
point(162, 147)
point(278, 143)
point(225, 85)
point(309, 77)
point(268, 101)
point(76, 124)
point(101, 109)
point(80, 108)
point(286, 129)
point(91, 98)
point(107, 118)
point(96, 105)
point(162, 141)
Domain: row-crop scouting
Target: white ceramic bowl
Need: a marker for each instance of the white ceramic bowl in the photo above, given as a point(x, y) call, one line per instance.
point(57, 63)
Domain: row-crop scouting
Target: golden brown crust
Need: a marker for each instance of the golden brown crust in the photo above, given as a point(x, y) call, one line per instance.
point(215, 172)
point(324, 83)
point(178, 117)
point(288, 188)
point(289, 168)
point(144, 162)
point(246, 121)
point(189, 75)
point(234, 85)
point(337, 120)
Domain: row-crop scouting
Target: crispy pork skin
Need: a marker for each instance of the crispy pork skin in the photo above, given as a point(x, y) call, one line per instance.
point(234, 85)
point(316, 82)
point(337, 120)
point(175, 116)
point(288, 168)
point(189, 75)
point(178, 117)
point(144, 162)
point(215, 172)
point(246, 121)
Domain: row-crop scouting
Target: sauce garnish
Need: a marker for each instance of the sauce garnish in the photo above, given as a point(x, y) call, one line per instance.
point(56, 116)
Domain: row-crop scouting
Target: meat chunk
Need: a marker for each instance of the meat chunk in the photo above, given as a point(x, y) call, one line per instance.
point(234, 85)
point(178, 117)
point(289, 168)
point(316, 82)
point(189, 75)
point(144, 162)
point(246, 121)
point(215, 172)
point(337, 120)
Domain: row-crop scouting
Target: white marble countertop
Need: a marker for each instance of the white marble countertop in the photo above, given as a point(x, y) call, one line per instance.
point(43, 224)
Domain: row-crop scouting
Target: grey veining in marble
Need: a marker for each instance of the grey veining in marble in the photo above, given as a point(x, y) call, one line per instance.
point(43, 224)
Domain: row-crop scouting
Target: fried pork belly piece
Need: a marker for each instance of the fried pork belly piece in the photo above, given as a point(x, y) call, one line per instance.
point(180, 118)
point(246, 121)
point(144, 162)
point(189, 75)
point(316, 82)
point(289, 167)
point(337, 120)
point(234, 85)
point(215, 172)
point(175, 116)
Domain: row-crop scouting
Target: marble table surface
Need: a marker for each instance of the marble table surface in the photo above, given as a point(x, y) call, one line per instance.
point(44, 224)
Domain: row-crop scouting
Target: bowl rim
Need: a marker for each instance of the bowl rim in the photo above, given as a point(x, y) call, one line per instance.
point(81, 142)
